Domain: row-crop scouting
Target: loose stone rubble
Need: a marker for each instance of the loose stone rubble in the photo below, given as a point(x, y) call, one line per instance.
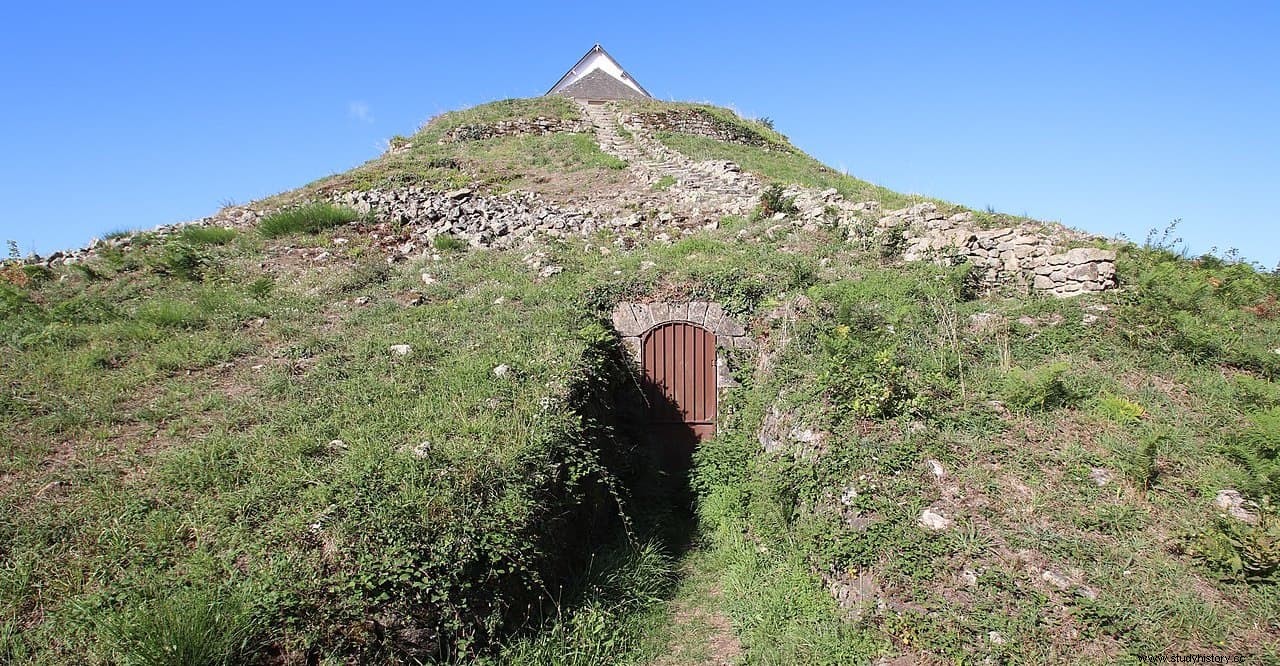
point(515, 127)
point(685, 195)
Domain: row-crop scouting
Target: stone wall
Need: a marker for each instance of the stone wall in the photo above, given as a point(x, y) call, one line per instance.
point(700, 122)
point(517, 127)
point(421, 214)
point(633, 320)
point(232, 217)
point(1031, 255)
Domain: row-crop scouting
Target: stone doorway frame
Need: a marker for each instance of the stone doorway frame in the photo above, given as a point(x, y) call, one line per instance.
point(632, 320)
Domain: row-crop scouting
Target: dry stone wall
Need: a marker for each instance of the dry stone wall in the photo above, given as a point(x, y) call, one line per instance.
point(1030, 255)
point(482, 221)
point(517, 127)
point(699, 122)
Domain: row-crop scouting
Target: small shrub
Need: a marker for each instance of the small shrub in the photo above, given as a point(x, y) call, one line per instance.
point(894, 243)
point(774, 201)
point(180, 259)
point(1257, 449)
point(207, 235)
point(1118, 409)
point(195, 628)
point(261, 287)
point(1038, 389)
point(766, 121)
point(1239, 551)
point(310, 218)
point(448, 243)
point(867, 382)
point(1142, 463)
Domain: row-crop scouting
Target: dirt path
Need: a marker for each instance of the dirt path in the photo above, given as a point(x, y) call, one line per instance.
point(700, 631)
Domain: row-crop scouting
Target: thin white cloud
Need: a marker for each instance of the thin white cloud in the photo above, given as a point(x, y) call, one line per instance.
point(360, 111)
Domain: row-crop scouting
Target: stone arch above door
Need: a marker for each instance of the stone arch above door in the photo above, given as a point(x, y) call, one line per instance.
point(632, 320)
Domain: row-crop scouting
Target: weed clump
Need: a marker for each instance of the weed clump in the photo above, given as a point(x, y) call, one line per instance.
point(774, 201)
point(448, 243)
point(310, 218)
point(197, 627)
point(1038, 389)
point(207, 235)
point(1257, 449)
point(1240, 551)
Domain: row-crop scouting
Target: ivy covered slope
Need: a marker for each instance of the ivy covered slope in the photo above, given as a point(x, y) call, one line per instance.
point(271, 445)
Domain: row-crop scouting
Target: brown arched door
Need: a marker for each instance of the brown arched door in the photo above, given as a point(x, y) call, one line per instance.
point(679, 361)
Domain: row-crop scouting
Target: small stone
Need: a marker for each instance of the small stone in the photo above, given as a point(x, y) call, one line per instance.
point(502, 371)
point(458, 195)
point(322, 256)
point(933, 520)
point(1055, 579)
point(548, 271)
point(1233, 503)
point(337, 445)
point(340, 241)
point(428, 278)
point(1099, 476)
point(422, 450)
point(935, 468)
point(401, 350)
point(970, 577)
point(361, 300)
point(646, 265)
point(995, 637)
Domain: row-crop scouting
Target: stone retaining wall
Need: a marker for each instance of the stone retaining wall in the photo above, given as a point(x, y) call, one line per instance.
point(700, 122)
point(521, 126)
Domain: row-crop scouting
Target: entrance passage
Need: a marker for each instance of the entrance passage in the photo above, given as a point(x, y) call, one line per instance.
point(679, 362)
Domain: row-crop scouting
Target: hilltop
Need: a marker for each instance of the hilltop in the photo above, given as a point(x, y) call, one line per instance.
point(395, 415)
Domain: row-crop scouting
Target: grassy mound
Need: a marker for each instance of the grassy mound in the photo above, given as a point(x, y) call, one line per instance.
point(216, 451)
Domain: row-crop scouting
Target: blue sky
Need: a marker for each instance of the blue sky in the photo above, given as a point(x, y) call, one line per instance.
point(1115, 117)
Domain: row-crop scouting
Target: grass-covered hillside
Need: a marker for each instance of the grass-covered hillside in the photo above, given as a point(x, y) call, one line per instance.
point(271, 445)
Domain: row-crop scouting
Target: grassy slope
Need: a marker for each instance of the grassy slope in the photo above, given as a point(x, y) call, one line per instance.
point(500, 163)
point(146, 450)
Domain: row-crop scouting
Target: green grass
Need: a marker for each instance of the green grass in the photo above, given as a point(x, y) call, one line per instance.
point(309, 218)
point(207, 235)
point(208, 456)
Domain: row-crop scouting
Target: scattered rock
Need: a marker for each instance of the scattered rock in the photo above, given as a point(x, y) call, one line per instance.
point(502, 371)
point(1055, 579)
point(337, 445)
point(422, 450)
point(995, 637)
point(428, 278)
point(401, 350)
point(1100, 476)
point(1233, 503)
point(936, 468)
point(361, 300)
point(548, 271)
point(933, 520)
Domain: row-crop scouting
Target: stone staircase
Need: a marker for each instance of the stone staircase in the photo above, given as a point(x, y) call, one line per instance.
point(702, 191)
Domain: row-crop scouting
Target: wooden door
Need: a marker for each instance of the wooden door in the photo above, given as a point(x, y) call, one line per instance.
point(679, 361)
